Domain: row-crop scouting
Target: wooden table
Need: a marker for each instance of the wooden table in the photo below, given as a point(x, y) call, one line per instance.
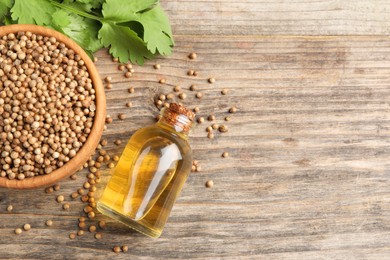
point(308, 174)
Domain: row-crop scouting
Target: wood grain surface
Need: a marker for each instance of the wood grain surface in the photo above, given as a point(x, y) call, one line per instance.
point(308, 174)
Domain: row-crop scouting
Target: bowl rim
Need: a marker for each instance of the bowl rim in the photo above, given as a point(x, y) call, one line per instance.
point(93, 138)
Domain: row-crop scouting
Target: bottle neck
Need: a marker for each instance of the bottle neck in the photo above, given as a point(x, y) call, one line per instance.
point(179, 123)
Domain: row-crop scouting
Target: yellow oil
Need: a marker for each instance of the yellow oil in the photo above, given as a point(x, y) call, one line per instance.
point(147, 179)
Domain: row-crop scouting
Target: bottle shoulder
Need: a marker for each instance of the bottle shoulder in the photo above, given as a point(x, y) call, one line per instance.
point(160, 136)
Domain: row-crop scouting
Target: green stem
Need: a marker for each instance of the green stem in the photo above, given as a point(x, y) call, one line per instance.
point(76, 11)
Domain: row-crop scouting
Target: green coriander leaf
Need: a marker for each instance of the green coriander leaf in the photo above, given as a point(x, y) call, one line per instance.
point(84, 31)
point(61, 18)
point(123, 11)
point(157, 31)
point(123, 43)
point(5, 5)
point(32, 12)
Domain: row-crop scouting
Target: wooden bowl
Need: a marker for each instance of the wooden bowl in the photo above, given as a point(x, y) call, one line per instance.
point(92, 141)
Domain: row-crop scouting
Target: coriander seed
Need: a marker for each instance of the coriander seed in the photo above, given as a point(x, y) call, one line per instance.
point(131, 90)
point(18, 231)
point(10, 208)
point(129, 104)
point(60, 198)
point(193, 87)
point(182, 95)
point(72, 235)
point(157, 66)
point(192, 56)
point(116, 249)
point(66, 206)
point(176, 88)
point(98, 235)
point(211, 80)
point(199, 95)
point(225, 154)
point(26, 227)
point(233, 110)
point(224, 91)
point(209, 184)
point(211, 118)
point(223, 128)
point(125, 248)
point(121, 116)
point(49, 223)
point(80, 232)
point(128, 74)
point(200, 120)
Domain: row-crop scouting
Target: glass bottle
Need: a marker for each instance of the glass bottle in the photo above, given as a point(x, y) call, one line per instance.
point(150, 173)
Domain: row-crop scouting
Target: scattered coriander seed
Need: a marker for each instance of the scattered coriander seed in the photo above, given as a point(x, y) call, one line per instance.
point(102, 224)
point(108, 86)
point(129, 104)
point(121, 67)
point(193, 168)
point(211, 118)
point(225, 154)
point(49, 223)
point(73, 176)
point(82, 225)
point(195, 73)
point(196, 109)
point(157, 66)
point(200, 120)
point(72, 235)
point(115, 158)
point(209, 129)
point(211, 80)
point(56, 187)
point(98, 235)
point(108, 79)
point(159, 103)
point(128, 74)
point(81, 191)
point(116, 249)
point(199, 95)
point(121, 116)
point(108, 120)
point(176, 88)
point(129, 66)
point(117, 142)
point(82, 219)
point(182, 95)
point(26, 227)
point(193, 87)
point(170, 96)
point(49, 190)
point(125, 248)
point(103, 142)
point(74, 195)
point(192, 56)
point(166, 104)
point(131, 90)
point(18, 231)
point(227, 118)
point(91, 214)
point(190, 72)
point(210, 135)
point(233, 110)
point(223, 128)
point(224, 91)
point(80, 232)
point(60, 198)
point(95, 59)
point(198, 168)
point(162, 81)
point(209, 184)
point(215, 126)
point(111, 165)
point(92, 228)
point(66, 206)
point(115, 59)
point(10, 208)
point(162, 97)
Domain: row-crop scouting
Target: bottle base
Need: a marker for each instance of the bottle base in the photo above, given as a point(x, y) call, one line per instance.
point(105, 210)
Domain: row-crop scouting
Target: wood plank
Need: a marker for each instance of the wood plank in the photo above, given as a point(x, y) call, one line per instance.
point(308, 172)
point(279, 17)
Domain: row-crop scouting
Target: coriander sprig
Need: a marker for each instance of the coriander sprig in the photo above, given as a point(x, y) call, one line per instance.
point(132, 30)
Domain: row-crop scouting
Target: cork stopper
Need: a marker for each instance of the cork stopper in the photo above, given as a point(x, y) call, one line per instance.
point(182, 110)
point(179, 117)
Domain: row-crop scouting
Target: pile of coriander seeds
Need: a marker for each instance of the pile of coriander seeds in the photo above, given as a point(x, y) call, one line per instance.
point(47, 104)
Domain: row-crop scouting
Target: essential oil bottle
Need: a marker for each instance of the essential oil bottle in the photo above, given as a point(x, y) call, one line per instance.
point(150, 173)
